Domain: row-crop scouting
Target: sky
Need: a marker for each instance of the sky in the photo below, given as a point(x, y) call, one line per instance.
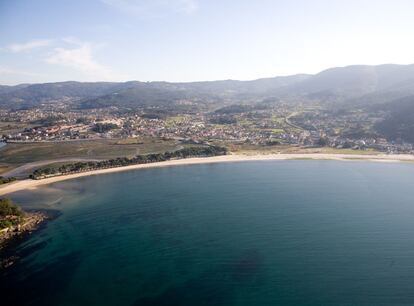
point(197, 40)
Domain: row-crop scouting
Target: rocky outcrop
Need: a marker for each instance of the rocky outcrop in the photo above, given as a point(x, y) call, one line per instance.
point(30, 223)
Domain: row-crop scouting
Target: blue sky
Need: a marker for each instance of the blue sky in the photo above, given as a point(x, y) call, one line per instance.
point(194, 40)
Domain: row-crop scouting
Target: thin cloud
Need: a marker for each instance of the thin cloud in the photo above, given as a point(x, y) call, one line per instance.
point(80, 58)
point(153, 8)
point(13, 76)
point(10, 71)
point(30, 45)
point(70, 53)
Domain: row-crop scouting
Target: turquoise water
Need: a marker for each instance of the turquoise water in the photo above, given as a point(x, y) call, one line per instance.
point(252, 233)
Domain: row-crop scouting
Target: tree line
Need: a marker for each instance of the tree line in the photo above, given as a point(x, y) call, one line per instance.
point(10, 214)
point(104, 127)
point(5, 180)
point(125, 161)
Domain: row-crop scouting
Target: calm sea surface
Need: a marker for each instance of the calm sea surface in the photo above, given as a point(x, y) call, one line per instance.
point(251, 233)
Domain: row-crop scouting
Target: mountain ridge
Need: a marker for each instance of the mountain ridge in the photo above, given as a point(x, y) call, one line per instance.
point(355, 84)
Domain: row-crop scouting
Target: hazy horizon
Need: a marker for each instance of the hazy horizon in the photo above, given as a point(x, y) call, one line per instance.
point(196, 40)
point(215, 80)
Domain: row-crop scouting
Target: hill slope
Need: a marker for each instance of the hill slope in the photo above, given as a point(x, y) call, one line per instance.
point(350, 85)
point(399, 122)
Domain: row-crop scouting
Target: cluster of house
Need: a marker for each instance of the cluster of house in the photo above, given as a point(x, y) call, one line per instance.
point(261, 130)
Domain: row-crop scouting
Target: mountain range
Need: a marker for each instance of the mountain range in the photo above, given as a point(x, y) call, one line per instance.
point(388, 88)
point(351, 85)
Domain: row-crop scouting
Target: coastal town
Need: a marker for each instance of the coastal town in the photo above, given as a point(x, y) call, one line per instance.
point(206, 153)
point(256, 126)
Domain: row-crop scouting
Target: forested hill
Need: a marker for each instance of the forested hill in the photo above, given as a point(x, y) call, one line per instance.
point(399, 120)
point(352, 85)
point(136, 94)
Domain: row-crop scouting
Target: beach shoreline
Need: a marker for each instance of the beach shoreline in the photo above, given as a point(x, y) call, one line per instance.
point(32, 184)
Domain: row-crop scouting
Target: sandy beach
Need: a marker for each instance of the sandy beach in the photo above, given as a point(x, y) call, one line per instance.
point(31, 184)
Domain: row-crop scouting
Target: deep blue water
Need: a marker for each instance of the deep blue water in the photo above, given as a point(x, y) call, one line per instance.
point(251, 233)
